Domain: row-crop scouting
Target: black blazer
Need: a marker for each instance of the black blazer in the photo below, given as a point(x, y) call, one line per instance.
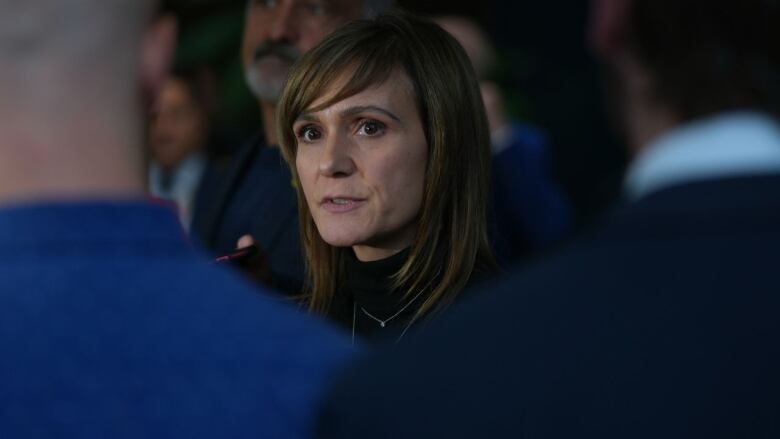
point(663, 323)
point(255, 196)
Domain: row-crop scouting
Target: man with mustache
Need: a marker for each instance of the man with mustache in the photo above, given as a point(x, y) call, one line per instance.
point(256, 198)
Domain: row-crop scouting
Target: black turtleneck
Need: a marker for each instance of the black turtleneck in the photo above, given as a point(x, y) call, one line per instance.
point(368, 289)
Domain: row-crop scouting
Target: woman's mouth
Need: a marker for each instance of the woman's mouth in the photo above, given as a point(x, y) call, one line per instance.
point(341, 204)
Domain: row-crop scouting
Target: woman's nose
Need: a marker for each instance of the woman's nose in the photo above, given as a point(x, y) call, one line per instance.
point(336, 160)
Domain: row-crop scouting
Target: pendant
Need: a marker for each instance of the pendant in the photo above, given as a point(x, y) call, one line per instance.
point(382, 324)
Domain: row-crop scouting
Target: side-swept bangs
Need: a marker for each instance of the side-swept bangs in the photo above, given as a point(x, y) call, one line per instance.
point(367, 61)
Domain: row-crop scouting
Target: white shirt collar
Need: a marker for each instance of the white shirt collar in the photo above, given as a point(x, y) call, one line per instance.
point(732, 144)
point(184, 185)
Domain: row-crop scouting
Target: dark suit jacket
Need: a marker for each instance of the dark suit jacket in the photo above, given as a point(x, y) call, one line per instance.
point(255, 197)
point(663, 323)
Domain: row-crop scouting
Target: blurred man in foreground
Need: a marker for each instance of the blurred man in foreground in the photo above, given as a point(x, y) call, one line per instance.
point(661, 323)
point(111, 326)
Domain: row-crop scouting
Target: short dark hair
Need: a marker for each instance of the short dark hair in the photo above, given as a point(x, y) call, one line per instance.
point(200, 83)
point(707, 56)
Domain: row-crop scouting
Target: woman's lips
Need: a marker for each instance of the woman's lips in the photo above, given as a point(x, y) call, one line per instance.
point(342, 204)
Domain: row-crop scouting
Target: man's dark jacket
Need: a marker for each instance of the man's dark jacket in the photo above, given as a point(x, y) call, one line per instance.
point(255, 197)
point(663, 323)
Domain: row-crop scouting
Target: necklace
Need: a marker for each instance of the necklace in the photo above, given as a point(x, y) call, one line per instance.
point(354, 314)
point(383, 323)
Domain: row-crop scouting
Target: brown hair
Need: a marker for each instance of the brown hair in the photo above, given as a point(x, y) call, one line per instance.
point(451, 241)
point(707, 56)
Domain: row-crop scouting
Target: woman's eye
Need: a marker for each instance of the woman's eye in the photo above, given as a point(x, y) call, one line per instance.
point(371, 128)
point(308, 134)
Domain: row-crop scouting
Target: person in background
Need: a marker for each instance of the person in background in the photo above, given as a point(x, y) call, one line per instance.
point(255, 199)
point(663, 321)
point(180, 168)
point(529, 211)
point(110, 324)
point(383, 127)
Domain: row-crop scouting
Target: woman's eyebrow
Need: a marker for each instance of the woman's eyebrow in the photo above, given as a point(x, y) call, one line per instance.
point(305, 117)
point(310, 117)
point(362, 108)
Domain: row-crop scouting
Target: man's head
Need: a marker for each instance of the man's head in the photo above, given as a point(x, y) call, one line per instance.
point(691, 58)
point(277, 32)
point(180, 117)
point(474, 40)
point(70, 83)
point(482, 54)
point(69, 34)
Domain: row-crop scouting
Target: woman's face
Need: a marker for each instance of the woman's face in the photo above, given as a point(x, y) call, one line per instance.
point(361, 163)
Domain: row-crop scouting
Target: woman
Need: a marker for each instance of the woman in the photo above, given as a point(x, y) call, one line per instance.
point(383, 126)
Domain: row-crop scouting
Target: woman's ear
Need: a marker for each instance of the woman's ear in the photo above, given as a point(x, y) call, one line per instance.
point(157, 51)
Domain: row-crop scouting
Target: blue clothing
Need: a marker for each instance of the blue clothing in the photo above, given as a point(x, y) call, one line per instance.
point(112, 327)
point(661, 323)
point(256, 197)
point(530, 211)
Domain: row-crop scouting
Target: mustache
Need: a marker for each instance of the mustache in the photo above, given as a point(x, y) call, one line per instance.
point(282, 50)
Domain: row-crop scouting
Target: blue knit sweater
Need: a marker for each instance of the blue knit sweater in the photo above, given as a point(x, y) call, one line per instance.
point(111, 326)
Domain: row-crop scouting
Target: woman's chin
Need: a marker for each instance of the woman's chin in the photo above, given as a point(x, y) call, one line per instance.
point(341, 240)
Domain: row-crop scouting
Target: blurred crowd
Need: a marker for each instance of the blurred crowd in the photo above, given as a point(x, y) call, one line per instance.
point(378, 218)
point(534, 206)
